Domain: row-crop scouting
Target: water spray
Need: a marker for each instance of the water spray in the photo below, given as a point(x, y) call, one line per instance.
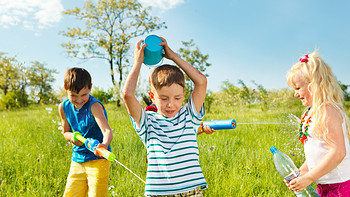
point(92, 145)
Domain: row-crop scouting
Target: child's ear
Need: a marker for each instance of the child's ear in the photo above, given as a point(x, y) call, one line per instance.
point(151, 94)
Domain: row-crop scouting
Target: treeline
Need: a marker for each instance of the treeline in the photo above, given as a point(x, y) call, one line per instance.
point(25, 84)
point(241, 95)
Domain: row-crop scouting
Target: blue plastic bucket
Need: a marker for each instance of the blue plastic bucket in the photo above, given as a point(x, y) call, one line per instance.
point(153, 51)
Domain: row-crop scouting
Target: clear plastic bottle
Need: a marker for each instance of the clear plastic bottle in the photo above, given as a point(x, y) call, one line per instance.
point(286, 167)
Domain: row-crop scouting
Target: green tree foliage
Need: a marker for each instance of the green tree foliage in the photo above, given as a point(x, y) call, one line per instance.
point(209, 99)
point(345, 90)
point(109, 26)
point(41, 80)
point(14, 99)
point(16, 80)
point(12, 83)
point(246, 95)
point(101, 95)
point(231, 95)
point(9, 74)
point(262, 95)
point(191, 54)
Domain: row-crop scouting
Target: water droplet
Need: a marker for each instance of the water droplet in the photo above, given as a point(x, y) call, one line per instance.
point(111, 187)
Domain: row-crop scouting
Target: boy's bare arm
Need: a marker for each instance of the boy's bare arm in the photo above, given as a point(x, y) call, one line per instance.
point(199, 80)
point(132, 104)
point(67, 133)
point(98, 113)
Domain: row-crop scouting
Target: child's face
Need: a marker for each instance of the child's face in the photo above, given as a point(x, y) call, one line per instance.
point(301, 90)
point(79, 99)
point(168, 99)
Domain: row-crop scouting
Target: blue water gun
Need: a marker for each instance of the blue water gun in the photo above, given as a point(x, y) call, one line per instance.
point(221, 124)
point(92, 145)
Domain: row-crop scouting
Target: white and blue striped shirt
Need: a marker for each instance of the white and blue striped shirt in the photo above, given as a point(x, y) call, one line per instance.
point(172, 151)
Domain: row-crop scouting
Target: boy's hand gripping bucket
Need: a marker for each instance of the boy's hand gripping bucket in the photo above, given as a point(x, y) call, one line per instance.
point(153, 51)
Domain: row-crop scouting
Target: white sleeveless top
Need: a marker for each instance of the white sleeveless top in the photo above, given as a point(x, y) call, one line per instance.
point(315, 149)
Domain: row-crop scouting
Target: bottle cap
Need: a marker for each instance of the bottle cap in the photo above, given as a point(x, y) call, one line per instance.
point(273, 149)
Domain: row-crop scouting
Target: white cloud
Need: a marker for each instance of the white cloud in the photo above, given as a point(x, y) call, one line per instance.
point(30, 14)
point(162, 4)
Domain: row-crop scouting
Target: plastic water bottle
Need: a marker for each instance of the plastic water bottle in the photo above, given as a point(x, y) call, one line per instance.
point(286, 167)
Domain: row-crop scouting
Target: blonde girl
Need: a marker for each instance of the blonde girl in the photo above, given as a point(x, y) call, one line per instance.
point(324, 128)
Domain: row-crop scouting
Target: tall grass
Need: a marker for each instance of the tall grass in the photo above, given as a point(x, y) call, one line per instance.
point(35, 158)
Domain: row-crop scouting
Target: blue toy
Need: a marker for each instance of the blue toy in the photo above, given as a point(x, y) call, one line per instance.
point(221, 124)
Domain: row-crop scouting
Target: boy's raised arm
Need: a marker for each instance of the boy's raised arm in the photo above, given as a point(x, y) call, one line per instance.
point(199, 80)
point(132, 104)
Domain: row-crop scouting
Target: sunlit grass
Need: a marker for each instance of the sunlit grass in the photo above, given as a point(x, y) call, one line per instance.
point(35, 158)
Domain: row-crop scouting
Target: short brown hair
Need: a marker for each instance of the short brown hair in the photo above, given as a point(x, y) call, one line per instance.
point(76, 79)
point(166, 75)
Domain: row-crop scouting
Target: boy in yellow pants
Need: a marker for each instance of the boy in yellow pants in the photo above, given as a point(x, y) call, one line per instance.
point(82, 112)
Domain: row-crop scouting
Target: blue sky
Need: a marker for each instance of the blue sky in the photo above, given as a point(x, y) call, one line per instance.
point(245, 39)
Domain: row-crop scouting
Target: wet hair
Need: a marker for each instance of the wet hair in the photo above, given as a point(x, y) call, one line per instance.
point(323, 86)
point(76, 79)
point(166, 75)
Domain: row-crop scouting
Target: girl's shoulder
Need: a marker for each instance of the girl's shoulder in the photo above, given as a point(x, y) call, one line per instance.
point(332, 113)
point(331, 109)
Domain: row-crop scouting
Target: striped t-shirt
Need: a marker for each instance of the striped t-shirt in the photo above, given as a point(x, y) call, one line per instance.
point(172, 151)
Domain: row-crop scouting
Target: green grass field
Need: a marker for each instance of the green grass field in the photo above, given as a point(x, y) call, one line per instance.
point(35, 158)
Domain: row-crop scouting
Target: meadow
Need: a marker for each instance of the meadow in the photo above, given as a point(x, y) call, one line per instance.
point(35, 158)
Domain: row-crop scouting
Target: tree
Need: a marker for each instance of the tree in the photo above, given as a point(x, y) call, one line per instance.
point(9, 74)
point(12, 83)
point(14, 99)
point(191, 54)
point(101, 95)
point(109, 27)
point(41, 80)
point(262, 95)
point(246, 96)
point(345, 88)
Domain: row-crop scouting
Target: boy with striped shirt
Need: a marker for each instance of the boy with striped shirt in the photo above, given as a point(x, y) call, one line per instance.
point(170, 135)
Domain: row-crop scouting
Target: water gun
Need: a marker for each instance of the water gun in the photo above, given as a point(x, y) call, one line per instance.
point(221, 124)
point(91, 144)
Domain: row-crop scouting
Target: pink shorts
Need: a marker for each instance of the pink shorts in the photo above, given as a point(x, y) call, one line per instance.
point(334, 190)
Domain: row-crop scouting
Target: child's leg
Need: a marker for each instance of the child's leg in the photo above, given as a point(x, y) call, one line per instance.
point(97, 175)
point(76, 181)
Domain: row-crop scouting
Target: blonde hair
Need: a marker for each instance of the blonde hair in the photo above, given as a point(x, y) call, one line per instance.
point(324, 88)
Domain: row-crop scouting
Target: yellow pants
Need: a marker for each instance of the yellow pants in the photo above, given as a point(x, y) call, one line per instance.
point(88, 178)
